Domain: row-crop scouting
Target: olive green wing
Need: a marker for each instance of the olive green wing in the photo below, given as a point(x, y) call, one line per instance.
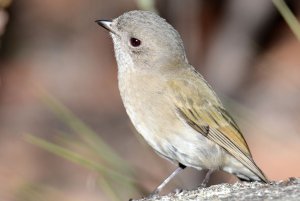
point(200, 108)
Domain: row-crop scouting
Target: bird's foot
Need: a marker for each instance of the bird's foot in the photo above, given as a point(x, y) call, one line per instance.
point(177, 190)
point(202, 186)
point(154, 194)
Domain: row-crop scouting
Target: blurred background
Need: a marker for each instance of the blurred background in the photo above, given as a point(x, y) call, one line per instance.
point(64, 134)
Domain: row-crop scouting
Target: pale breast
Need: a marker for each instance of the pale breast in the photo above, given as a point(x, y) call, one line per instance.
point(145, 103)
point(156, 120)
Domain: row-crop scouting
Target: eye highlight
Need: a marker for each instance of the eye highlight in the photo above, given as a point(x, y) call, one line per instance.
point(135, 42)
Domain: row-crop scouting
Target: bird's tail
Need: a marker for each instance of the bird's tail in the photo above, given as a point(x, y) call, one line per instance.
point(255, 177)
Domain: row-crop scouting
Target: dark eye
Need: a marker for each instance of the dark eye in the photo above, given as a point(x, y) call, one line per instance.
point(135, 42)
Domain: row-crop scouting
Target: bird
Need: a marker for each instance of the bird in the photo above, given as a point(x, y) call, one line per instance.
point(170, 103)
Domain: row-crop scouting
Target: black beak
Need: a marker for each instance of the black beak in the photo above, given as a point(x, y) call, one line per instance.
point(106, 24)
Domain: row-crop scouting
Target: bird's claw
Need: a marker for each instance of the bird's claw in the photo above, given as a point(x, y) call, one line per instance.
point(177, 190)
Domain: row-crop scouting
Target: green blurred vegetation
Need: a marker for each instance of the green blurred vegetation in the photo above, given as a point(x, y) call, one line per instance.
point(288, 16)
point(115, 177)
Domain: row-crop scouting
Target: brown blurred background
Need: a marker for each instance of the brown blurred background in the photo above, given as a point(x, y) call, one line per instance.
point(243, 48)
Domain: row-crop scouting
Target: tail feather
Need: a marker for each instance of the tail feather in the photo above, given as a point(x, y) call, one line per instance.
point(251, 179)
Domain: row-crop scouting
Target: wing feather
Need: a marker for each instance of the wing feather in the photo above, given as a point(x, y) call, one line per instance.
point(209, 118)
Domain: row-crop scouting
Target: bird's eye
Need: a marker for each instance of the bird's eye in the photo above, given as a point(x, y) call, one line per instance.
point(135, 42)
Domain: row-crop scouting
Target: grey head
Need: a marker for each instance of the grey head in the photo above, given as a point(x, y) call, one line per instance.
point(143, 40)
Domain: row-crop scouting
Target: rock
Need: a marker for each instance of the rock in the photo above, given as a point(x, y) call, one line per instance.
point(288, 190)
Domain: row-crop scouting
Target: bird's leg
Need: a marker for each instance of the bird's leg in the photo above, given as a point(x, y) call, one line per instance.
point(167, 180)
point(206, 178)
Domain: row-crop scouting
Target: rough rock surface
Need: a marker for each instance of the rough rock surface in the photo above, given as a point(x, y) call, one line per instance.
point(288, 190)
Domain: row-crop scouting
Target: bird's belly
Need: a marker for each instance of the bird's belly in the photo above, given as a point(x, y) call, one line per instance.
point(171, 138)
point(156, 120)
point(194, 150)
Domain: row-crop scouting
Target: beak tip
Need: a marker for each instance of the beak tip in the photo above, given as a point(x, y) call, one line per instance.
point(106, 24)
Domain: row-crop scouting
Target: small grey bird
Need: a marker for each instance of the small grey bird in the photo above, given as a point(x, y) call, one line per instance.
point(169, 102)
